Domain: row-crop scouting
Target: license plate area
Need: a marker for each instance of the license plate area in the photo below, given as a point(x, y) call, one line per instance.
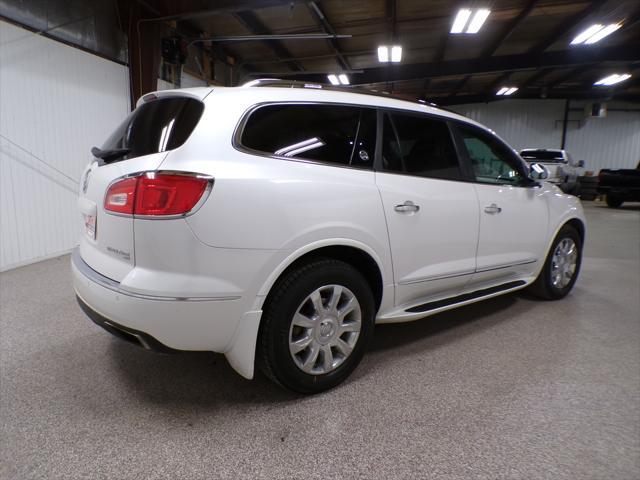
point(90, 225)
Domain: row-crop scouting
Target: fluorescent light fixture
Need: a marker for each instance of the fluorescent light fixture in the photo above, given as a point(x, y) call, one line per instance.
point(507, 90)
point(385, 57)
point(383, 54)
point(606, 31)
point(586, 34)
point(333, 79)
point(461, 20)
point(396, 53)
point(473, 24)
point(595, 33)
point(478, 20)
point(613, 79)
point(344, 80)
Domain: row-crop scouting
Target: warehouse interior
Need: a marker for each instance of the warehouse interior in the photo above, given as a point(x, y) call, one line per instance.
point(505, 388)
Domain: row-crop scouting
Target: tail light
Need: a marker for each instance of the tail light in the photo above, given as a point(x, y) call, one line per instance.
point(156, 194)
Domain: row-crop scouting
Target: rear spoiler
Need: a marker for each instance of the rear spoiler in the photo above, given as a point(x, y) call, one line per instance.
point(198, 93)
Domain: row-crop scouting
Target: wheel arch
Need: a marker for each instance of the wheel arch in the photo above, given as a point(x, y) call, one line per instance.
point(355, 254)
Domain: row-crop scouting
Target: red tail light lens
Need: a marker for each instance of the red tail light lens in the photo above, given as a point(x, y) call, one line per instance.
point(155, 194)
point(120, 196)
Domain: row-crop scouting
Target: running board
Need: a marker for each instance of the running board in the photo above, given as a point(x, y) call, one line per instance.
point(427, 307)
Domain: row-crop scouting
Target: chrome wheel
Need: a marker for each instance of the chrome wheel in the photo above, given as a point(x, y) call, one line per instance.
point(325, 329)
point(563, 263)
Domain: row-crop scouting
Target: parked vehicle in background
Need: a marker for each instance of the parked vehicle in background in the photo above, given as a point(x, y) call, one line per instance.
point(619, 186)
point(277, 225)
point(563, 170)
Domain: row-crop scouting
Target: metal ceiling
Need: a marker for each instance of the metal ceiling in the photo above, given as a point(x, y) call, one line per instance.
point(524, 43)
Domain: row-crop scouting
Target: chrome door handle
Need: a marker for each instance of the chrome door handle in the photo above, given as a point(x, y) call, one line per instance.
point(492, 209)
point(407, 206)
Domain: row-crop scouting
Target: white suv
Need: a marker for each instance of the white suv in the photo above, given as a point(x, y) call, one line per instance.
point(277, 225)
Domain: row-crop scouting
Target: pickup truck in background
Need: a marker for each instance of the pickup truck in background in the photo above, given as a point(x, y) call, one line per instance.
point(563, 170)
point(619, 186)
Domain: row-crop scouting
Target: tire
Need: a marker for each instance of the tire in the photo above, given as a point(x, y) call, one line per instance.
point(613, 202)
point(544, 286)
point(298, 311)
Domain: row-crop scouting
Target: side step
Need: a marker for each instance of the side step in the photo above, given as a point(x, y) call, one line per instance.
point(426, 307)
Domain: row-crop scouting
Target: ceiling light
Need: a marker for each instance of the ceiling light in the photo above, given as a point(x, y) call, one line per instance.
point(613, 79)
point(462, 20)
point(589, 32)
point(344, 80)
point(478, 20)
point(396, 53)
point(606, 31)
point(383, 54)
point(507, 90)
point(595, 33)
point(333, 79)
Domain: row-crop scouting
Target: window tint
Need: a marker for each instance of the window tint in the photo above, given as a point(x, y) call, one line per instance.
point(156, 126)
point(492, 162)
point(327, 133)
point(418, 145)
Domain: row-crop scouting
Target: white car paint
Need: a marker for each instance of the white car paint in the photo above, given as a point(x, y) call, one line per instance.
point(199, 282)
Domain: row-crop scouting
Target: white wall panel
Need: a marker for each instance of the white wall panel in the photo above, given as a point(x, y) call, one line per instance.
point(610, 142)
point(56, 102)
point(522, 123)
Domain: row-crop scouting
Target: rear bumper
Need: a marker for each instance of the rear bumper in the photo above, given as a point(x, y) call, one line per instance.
point(130, 335)
point(174, 323)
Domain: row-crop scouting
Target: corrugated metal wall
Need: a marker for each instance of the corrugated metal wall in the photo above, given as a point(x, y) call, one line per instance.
point(610, 142)
point(56, 102)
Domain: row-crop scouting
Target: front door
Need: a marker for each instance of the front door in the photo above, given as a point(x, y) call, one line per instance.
point(513, 213)
point(431, 213)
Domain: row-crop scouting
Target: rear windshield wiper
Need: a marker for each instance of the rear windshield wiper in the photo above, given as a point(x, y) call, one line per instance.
point(109, 155)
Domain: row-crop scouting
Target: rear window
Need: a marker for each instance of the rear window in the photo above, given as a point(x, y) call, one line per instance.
point(332, 134)
point(543, 155)
point(156, 126)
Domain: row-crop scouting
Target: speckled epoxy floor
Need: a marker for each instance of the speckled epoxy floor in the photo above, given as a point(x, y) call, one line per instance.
point(507, 388)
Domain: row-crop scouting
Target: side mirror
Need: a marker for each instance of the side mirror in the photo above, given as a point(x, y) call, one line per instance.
point(580, 163)
point(538, 171)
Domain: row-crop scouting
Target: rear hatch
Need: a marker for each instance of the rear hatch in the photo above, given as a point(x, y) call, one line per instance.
point(140, 143)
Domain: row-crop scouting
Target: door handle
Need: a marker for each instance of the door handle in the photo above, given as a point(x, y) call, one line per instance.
point(492, 209)
point(407, 206)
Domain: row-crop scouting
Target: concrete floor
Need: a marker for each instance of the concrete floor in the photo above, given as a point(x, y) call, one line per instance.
point(508, 388)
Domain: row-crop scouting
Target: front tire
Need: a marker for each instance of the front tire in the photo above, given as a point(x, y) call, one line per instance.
point(561, 267)
point(316, 325)
point(613, 202)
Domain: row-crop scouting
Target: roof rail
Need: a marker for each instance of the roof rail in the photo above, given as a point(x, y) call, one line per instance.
point(277, 82)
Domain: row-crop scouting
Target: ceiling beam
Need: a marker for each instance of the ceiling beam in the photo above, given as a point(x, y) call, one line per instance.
point(254, 25)
point(503, 63)
point(509, 29)
point(565, 27)
point(569, 94)
point(224, 7)
point(320, 18)
point(570, 74)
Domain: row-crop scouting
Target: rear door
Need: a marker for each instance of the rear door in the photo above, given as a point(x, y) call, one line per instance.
point(431, 211)
point(513, 213)
point(145, 137)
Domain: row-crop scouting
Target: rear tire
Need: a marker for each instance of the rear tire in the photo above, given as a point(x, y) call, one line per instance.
point(317, 322)
point(613, 202)
point(557, 277)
